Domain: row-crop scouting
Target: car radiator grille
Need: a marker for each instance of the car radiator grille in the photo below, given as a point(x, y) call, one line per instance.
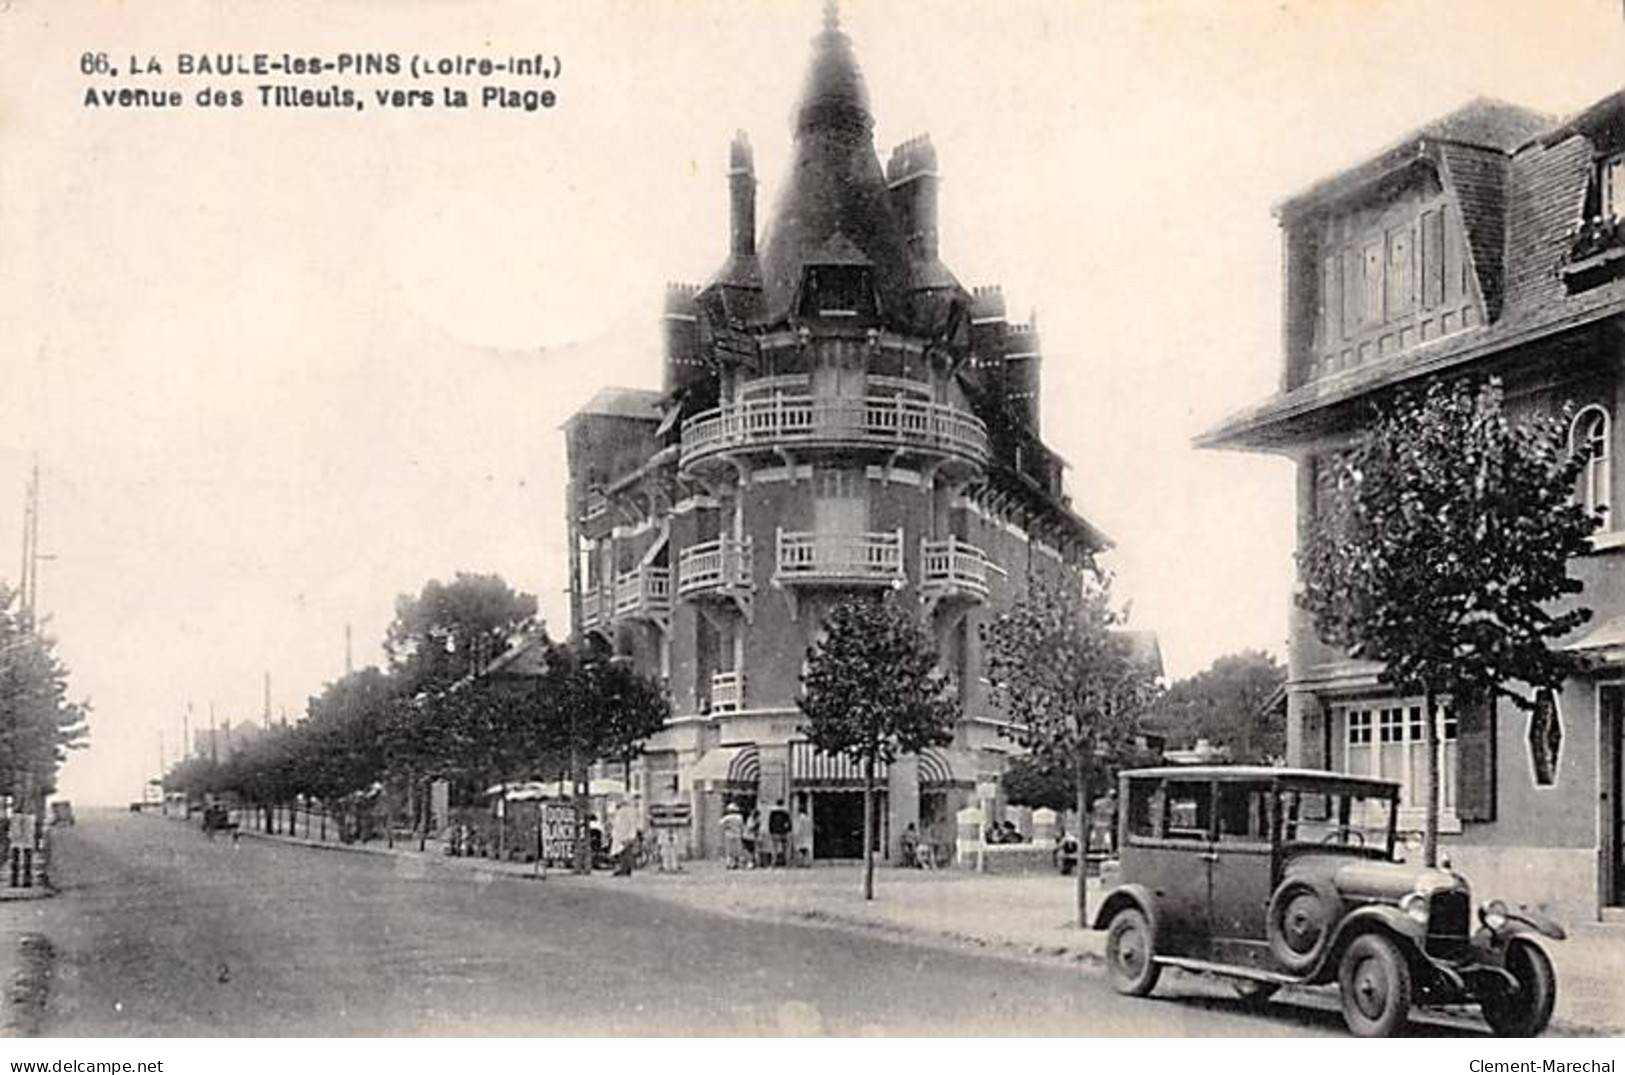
point(1448, 921)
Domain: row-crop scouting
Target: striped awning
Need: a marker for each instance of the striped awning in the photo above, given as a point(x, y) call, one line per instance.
point(745, 767)
point(937, 772)
point(811, 766)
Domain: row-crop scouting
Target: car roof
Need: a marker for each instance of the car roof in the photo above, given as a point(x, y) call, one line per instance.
point(1319, 778)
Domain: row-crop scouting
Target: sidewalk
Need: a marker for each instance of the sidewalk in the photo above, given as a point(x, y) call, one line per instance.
point(1023, 917)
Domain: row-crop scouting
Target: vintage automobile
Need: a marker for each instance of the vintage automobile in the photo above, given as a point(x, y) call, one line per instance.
point(1273, 877)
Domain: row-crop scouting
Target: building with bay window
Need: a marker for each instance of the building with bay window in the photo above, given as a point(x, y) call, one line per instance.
point(1491, 240)
point(839, 416)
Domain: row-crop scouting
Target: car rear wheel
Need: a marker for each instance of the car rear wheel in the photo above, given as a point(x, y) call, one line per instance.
point(1375, 982)
point(1129, 953)
point(1524, 1014)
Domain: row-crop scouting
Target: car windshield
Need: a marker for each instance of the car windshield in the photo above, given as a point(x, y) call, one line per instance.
point(1337, 819)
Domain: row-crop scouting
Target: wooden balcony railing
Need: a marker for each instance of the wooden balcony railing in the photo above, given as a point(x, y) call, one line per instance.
point(880, 421)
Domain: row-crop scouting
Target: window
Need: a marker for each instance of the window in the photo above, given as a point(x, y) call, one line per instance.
point(1611, 183)
point(1590, 432)
point(1387, 739)
point(1187, 810)
point(1243, 814)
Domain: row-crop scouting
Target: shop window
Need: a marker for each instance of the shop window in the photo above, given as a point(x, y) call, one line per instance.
point(1545, 738)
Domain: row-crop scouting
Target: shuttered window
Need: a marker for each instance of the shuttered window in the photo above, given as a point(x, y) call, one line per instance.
point(1388, 739)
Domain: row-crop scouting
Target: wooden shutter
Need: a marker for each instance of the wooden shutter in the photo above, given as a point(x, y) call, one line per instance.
point(1475, 755)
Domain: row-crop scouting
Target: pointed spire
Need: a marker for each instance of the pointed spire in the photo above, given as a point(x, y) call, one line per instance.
point(834, 97)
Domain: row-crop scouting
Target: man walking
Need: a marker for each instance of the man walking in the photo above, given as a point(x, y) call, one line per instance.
point(624, 837)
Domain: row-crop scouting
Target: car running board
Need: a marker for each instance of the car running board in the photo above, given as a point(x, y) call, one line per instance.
point(1227, 970)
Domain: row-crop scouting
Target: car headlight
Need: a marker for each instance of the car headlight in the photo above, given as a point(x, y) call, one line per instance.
point(1494, 915)
point(1415, 906)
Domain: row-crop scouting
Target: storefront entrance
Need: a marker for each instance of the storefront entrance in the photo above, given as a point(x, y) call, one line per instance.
point(838, 824)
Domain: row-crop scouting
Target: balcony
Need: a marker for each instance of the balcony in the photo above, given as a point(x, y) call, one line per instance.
point(720, 564)
point(727, 692)
point(719, 569)
point(644, 593)
point(594, 505)
point(593, 610)
point(837, 559)
point(952, 570)
point(886, 422)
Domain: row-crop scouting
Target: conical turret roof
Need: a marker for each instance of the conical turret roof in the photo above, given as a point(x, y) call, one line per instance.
point(835, 184)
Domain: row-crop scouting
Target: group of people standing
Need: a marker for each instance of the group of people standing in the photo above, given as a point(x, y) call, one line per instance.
point(781, 839)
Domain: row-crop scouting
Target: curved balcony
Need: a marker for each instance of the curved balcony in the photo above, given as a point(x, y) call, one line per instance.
point(714, 566)
point(952, 570)
point(644, 593)
point(837, 559)
point(888, 422)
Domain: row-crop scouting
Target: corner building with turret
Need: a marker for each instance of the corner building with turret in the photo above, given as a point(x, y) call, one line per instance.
point(838, 416)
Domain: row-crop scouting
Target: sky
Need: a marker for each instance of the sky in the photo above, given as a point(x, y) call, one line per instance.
point(279, 367)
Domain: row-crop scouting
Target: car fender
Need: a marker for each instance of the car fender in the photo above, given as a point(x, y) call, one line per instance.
point(1379, 917)
point(1525, 920)
point(1129, 895)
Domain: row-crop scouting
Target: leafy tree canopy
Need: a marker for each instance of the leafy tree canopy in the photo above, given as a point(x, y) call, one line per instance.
point(450, 630)
point(1224, 704)
point(38, 724)
point(1444, 552)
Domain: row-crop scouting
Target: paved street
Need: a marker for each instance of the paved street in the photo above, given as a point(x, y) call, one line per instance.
point(159, 931)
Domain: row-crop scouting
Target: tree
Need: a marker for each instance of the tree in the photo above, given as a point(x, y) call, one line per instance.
point(591, 707)
point(38, 724)
point(871, 691)
point(1225, 704)
point(1444, 551)
point(1071, 686)
point(452, 630)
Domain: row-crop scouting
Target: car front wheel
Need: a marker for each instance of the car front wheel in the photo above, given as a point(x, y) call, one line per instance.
point(1375, 982)
point(1129, 955)
point(1524, 1014)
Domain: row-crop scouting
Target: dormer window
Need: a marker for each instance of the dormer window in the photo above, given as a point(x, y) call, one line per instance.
point(838, 291)
point(1611, 188)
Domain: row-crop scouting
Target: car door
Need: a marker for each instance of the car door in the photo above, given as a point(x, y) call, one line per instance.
point(1240, 873)
point(1169, 843)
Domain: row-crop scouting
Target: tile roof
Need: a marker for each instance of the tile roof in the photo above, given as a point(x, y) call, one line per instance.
point(1520, 195)
point(614, 402)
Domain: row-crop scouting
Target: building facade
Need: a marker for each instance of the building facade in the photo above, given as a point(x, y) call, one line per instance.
point(1488, 242)
point(839, 416)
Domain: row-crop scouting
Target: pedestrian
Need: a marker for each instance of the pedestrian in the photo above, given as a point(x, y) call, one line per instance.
point(624, 837)
point(778, 831)
point(733, 836)
point(1066, 853)
point(752, 838)
point(666, 839)
point(801, 836)
point(908, 846)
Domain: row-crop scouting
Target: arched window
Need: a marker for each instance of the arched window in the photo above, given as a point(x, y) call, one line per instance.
point(1590, 431)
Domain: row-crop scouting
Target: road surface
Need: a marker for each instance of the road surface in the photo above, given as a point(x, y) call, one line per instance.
point(159, 931)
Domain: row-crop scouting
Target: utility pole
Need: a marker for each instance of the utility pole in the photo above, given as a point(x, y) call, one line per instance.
point(186, 732)
point(214, 753)
point(28, 592)
point(349, 665)
point(267, 713)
